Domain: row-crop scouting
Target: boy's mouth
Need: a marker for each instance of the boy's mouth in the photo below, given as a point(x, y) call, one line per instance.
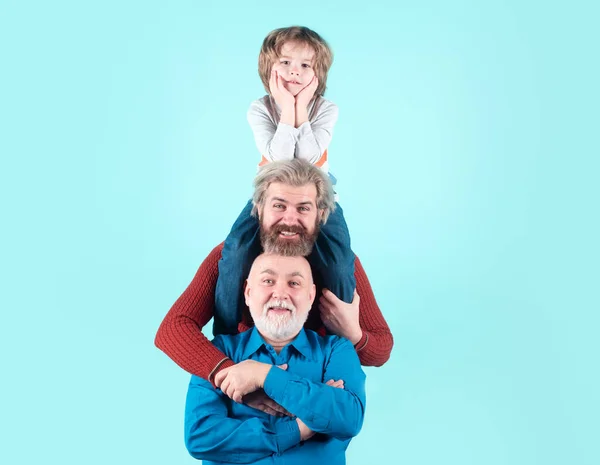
point(295, 82)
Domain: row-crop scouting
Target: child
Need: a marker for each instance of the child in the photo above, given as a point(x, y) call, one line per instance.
point(292, 121)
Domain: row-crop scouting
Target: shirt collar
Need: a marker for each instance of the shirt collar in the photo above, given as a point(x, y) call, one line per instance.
point(255, 342)
point(301, 344)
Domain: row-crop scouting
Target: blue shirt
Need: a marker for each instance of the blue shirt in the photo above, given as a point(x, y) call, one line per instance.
point(221, 431)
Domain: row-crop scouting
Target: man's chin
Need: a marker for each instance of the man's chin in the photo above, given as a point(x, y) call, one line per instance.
point(289, 247)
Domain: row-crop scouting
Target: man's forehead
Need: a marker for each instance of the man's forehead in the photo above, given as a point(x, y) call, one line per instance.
point(292, 194)
point(277, 272)
point(277, 265)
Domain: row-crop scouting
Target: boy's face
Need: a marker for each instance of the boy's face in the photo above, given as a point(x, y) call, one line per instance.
point(295, 66)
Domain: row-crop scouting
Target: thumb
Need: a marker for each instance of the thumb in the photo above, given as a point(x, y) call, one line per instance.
point(283, 367)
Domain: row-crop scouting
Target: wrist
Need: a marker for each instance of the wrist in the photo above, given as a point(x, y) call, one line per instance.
point(301, 116)
point(356, 336)
point(288, 115)
point(263, 372)
point(223, 363)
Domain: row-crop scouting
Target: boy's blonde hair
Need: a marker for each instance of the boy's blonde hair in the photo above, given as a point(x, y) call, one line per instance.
point(271, 51)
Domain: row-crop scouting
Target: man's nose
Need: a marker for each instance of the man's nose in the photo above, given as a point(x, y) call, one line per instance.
point(280, 291)
point(290, 216)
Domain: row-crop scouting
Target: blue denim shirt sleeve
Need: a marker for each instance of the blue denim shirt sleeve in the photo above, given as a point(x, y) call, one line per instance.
point(324, 409)
point(211, 435)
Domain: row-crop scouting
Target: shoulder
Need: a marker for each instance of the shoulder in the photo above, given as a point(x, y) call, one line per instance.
point(326, 105)
point(216, 252)
point(232, 345)
point(211, 262)
point(325, 109)
point(260, 104)
point(328, 343)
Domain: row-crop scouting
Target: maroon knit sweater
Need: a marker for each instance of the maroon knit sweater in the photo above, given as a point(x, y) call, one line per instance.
point(181, 338)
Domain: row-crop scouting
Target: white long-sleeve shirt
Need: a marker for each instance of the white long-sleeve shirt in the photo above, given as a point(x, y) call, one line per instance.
point(280, 141)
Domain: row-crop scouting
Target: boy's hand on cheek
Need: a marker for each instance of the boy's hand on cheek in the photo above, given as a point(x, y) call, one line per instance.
point(305, 95)
point(282, 96)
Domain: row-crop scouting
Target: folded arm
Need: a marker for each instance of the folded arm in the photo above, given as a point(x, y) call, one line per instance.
point(211, 435)
point(314, 137)
point(274, 141)
point(284, 142)
point(323, 408)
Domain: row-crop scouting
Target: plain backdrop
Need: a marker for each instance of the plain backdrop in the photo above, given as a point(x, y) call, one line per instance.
point(467, 157)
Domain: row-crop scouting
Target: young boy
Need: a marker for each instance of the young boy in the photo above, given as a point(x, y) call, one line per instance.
point(292, 121)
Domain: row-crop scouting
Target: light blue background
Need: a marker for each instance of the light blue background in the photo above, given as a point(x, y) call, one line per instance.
point(467, 158)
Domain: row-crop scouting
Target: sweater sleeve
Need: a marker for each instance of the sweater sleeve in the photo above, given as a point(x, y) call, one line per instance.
point(278, 141)
point(314, 136)
point(274, 141)
point(180, 333)
point(375, 346)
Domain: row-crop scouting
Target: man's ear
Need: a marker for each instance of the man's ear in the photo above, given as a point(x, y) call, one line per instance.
point(246, 292)
point(321, 214)
point(257, 209)
point(312, 293)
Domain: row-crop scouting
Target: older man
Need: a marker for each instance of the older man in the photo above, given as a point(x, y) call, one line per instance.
point(289, 195)
point(290, 364)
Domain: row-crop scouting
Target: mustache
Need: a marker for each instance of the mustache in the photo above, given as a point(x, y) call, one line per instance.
point(293, 228)
point(278, 303)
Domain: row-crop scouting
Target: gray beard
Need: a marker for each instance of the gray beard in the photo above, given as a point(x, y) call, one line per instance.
point(282, 327)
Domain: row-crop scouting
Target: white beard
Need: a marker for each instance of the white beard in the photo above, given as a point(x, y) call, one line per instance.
point(280, 327)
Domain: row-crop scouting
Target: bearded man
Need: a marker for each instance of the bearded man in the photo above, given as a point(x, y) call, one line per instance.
point(280, 359)
point(291, 199)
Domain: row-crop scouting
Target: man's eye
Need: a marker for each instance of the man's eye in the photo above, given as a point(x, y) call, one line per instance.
point(304, 209)
point(294, 283)
point(277, 205)
point(268, 281)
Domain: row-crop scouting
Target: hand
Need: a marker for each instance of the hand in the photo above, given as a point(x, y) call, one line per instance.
point(243, 378)
point(305, 95)
point(282, 96)
point(261, 401)
point(339, 317)
point(305, 431)
point(336, 384)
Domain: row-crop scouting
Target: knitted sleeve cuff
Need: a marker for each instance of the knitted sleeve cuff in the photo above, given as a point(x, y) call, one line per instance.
point(364, 340)
point(224, 363)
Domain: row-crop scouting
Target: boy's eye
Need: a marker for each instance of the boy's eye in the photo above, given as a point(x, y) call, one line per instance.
point(285, 62)
point(306, 65)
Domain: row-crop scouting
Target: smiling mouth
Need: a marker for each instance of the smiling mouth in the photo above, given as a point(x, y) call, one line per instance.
point(279, 310)
point(295, 83)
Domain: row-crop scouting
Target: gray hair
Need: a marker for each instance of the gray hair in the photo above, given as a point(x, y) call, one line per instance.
point(296, 173)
